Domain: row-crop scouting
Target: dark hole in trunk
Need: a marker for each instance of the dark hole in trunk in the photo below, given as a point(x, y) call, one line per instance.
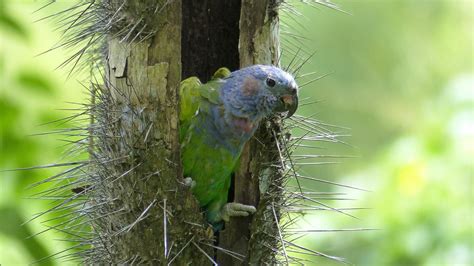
point(210, 37)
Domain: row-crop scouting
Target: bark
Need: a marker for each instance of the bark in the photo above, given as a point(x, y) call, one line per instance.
point(150, 217)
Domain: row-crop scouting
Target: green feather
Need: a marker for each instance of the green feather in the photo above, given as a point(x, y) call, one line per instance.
point(210, 167)
point(191, 90)
point(189, 98)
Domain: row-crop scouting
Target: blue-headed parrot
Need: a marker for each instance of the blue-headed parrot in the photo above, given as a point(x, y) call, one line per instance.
point(217, 119)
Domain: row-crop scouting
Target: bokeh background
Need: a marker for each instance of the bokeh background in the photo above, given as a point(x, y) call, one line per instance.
point(401, 79)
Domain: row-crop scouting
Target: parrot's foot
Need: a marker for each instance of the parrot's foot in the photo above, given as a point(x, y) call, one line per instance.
point(189, 182)
point(236, 209)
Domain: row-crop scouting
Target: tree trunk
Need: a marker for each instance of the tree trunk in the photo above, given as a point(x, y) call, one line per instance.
point(142, 211)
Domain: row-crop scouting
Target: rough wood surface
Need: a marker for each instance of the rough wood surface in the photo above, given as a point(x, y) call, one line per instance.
point(150, 217)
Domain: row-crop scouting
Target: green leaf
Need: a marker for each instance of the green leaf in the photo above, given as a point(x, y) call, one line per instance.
point(12, 227)
point(11, 23)
point(35, 81)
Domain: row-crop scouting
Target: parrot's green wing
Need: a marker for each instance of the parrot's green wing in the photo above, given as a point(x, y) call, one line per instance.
point(221, 73)
point(192, 94)
point(189, 98)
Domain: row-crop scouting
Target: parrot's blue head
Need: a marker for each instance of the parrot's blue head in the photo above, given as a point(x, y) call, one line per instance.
point(255, 92)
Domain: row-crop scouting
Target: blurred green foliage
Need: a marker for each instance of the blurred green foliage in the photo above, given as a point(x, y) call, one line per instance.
point(32, 93)
point(402, 81)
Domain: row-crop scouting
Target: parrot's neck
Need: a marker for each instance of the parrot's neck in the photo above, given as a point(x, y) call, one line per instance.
point(245, 100)
point(229, 131)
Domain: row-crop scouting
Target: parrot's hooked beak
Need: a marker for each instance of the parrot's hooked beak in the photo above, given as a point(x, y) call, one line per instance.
point(289, 101)
point(291, 104)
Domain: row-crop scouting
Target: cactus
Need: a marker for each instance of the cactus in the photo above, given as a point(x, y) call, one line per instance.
point(127, 203)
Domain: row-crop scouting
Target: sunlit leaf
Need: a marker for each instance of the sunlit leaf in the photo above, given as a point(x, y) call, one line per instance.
point(12, 227)
point(35, 81)
point(8, 22)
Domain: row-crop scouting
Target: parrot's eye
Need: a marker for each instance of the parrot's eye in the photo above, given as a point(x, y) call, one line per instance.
point(270, 82)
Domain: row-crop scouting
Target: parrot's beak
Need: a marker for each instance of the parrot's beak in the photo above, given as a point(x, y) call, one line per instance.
point(290, 99)
point(291, 104)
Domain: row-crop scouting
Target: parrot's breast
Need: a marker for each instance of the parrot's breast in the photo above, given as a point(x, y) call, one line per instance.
point(210, 165)
point(243, 124)
point(210, 151)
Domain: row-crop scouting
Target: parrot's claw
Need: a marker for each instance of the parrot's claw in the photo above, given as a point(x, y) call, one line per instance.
point(189, 182)
point(236, 209)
